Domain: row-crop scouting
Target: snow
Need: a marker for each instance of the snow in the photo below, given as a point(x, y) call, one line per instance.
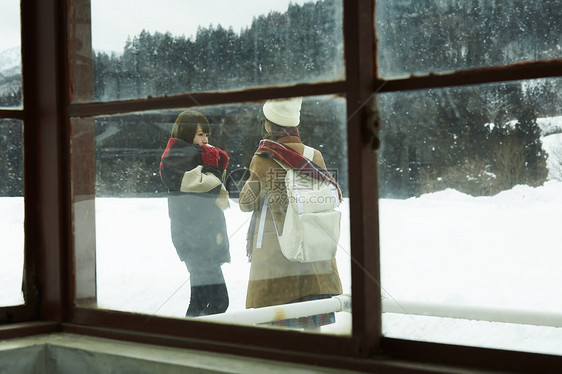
point(10, 61)
point(445, 248)
point(502, 250)
point(550, 125)
point(140, 258)
point(11, 252)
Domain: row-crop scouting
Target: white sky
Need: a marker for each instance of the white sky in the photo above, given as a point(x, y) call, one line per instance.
point(9, 24)
point(114, 20)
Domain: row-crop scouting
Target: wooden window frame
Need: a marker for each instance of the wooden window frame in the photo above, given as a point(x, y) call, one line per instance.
point(49, 275)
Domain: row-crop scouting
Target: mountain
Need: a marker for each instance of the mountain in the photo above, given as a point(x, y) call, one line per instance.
point(10, 62)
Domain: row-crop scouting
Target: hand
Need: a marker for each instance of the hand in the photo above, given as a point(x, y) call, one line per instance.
point(223, 159)
point(209, 155)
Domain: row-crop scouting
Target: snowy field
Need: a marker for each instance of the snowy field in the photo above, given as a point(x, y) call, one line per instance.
point(446, 247)
point(500, 252)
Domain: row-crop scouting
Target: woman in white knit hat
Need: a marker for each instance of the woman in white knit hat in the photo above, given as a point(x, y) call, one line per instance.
point(274, 280)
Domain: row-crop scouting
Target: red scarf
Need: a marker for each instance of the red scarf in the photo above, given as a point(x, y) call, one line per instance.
point(295, 160)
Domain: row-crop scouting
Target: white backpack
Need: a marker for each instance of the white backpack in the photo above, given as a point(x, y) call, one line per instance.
point(311, 230)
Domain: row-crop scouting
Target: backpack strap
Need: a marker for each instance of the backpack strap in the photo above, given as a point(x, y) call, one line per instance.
point(261, 224)
point(264, 208)
point(308, 152)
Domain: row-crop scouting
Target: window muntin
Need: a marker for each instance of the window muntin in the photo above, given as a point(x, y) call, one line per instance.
point(11, 212)
point(179, 49)
point(10, 55)
point(470, 198)
point(135, 267)
point(443, 36)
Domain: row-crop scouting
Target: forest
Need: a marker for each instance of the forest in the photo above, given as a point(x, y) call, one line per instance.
point(477, 139)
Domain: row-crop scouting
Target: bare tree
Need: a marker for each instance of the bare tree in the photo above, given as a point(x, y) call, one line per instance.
point(509, 163)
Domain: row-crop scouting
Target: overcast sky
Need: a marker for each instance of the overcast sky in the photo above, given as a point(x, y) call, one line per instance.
point(9, 24)
point(114, 20)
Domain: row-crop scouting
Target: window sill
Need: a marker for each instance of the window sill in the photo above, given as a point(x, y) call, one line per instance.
point(70, 353)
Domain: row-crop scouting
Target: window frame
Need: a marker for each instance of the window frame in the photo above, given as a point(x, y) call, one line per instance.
point(99, 321)
point(49, 244)
point(17, 313)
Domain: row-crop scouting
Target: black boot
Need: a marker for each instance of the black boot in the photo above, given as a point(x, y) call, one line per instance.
point(197, 302)
point(217, 296)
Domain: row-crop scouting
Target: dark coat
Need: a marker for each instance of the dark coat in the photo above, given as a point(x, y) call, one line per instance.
point(198, 226)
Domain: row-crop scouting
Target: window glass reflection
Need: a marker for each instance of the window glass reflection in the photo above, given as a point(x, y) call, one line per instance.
point(180, 48)
point(418, 37)
point(10, 55)
point(470, 198)
point(11, 212)
point(167, 253)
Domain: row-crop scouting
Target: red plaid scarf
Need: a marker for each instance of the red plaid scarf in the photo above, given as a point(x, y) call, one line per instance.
point(295, 160)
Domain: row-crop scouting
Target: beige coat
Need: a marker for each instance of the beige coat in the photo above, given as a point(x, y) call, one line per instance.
point(275, 280)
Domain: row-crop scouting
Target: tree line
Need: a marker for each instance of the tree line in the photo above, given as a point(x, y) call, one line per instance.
point(127, 161)
point(302, 44)
point(479, 140)
point(421, 36)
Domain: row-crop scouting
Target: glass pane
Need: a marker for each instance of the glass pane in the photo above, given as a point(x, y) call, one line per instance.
point(153, 250)
point(183, 47)
point(471, 199)
point(11, 212)
point(418, 37)
point(10, 55)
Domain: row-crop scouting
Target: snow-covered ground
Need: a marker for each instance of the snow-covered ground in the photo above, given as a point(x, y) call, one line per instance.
point(138, 269)
point(500, 252)
point(444, 248)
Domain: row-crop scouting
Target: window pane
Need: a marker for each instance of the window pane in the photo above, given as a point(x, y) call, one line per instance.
point(10, 55)
point(11, 212)
point(180, 47)
point(471, 198)
point(153, 250)
point(418, 37)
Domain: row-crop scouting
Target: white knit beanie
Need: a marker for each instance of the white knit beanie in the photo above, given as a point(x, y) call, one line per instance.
point(283, 112)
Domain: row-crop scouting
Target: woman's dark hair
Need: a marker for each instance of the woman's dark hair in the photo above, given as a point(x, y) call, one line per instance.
point(185, 126)
point(276, 130)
